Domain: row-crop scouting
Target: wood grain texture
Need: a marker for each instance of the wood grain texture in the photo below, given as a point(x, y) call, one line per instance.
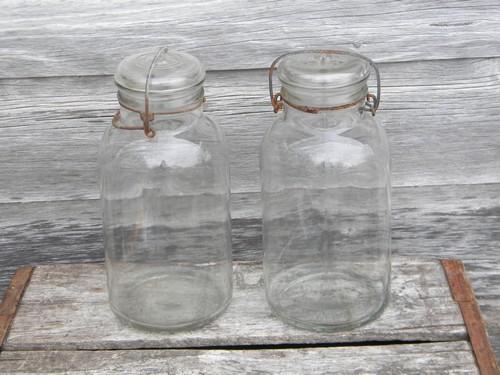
point(440, 118)
point(440, 115)
point(73, 38)
point(413, 359)
point(434, 221)
point(66, 308)
point(431, 222)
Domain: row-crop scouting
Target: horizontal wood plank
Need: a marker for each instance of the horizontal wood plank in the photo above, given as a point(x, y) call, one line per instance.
point(434, 221)
point(440, 118)
point(66, 307)
point(412, 359)
point(51, 38)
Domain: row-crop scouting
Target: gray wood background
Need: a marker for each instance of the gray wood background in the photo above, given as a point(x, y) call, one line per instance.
point(440, 66)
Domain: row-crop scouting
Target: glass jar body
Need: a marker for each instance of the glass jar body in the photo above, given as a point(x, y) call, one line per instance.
point(166, 220)
point(326, 218)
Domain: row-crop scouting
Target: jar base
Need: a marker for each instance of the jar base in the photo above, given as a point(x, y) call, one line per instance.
point(327, 301)
point(171, 303)
point(182, 327)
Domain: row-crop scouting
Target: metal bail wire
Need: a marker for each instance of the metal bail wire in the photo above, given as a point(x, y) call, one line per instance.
point(147, 116)
point(371, 101)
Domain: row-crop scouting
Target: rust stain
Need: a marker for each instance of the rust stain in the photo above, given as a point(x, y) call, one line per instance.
point(11, 300)
point(463, 294)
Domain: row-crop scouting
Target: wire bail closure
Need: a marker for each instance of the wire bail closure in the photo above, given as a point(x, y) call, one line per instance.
point(147, 116)
point(371, 101)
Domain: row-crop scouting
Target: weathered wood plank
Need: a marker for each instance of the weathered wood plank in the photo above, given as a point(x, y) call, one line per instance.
point(441, 128)
point(65, 307)
point(75, 38)
point(434, 221)
point(412, 359)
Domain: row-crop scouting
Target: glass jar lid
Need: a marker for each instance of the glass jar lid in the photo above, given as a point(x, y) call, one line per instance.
point(318, 80)
point(172, 71)
point(155, 83)
point(174, 82)
point(316, 70)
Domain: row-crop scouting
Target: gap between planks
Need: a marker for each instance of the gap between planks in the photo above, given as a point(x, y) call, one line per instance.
point(460, 289)
point(438, 141)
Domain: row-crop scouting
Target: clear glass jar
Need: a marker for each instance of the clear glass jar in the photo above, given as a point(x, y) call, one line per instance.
point(165, 197)
point(325, 171)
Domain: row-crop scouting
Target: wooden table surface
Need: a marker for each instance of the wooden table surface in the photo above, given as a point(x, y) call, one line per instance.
point(440, 66)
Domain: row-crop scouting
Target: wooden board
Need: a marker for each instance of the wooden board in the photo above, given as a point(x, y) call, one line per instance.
point(412, 359)
point(428, 221)
point(88, 38)
point(66, 308)
point(440, 119)
point(431, 221)
point(64, 324)
point(440, 115)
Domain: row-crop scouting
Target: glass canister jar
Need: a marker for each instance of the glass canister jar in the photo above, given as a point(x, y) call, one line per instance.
point(165, 195)
point(325, 171)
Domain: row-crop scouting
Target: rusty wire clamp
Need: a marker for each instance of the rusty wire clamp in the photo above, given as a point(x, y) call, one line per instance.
point(371, 101)
point(148, 116)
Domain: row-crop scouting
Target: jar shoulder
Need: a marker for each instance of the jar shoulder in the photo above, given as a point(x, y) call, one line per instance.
point(349, 153)
point(181, 142)
point(201, 126)
point(293, 135)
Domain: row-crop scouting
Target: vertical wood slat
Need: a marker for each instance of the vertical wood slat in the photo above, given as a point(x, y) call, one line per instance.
point(11, 299)
point(463, 294)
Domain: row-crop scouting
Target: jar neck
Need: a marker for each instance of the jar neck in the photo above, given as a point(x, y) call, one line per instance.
point(171, 122)
point(324, 97)
point(162, 102)
point(324, 119)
